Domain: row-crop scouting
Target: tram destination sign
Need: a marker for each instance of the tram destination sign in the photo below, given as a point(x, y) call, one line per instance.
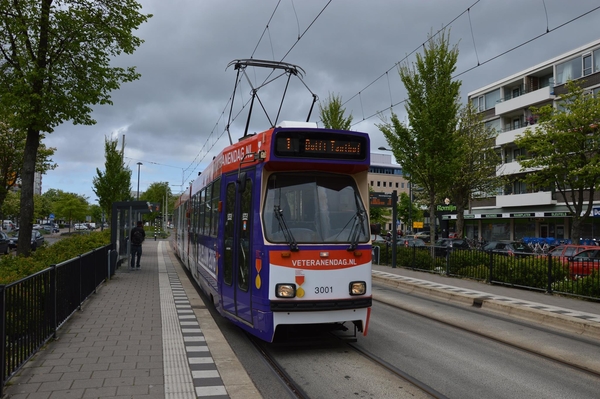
point(307, 144)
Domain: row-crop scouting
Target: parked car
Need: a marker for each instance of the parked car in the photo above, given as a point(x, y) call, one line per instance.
point(36, 226)
point(423, 235)
point(4, 243)
point(584, 263)
point(51, 228)
point(80, 226)
point(443, 245)
point(411, 241)
point(509, 248)
point(564, 252)
point(37, 240)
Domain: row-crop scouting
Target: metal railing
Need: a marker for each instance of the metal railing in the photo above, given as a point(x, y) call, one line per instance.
point(34, 308)
point(540, 272)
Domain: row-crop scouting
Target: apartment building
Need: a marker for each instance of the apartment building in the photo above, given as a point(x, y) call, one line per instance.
point(517, 210)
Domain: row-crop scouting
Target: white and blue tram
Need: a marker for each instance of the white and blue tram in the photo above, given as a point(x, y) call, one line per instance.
point(276, 230)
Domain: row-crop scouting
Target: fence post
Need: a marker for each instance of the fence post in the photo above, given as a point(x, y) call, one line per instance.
point(54, 301)
point(3, 338)
point(550, 277)
point(79, 285)
point(414, 256)
point(491, 266)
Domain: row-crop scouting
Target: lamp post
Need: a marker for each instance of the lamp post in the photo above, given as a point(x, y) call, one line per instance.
point(138, 190)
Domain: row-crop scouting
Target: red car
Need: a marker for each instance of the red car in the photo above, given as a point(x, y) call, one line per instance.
point(584, 263)
point(564, 252)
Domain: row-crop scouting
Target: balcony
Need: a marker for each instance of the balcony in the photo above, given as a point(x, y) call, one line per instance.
point(509, 136)
point(525, 100)
point(527, 199)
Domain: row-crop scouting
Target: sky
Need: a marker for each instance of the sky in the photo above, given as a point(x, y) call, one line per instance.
point(173, 119)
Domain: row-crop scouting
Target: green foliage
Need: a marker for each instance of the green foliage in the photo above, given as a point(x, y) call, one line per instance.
point(114, 185)
point(57, 60)
point(13, 268)
point(425, 146)
point(587, 286)
point(476, 162)
point(404, 205)
point(158, 192)
point(332, 114)
point(71, 207)
point(12, 147)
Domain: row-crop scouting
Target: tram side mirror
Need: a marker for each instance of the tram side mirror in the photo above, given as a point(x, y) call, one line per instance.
point(241, 181)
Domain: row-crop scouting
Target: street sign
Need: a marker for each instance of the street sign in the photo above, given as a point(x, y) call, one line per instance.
point(51, 217)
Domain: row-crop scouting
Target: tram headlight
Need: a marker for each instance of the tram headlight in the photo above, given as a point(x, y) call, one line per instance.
point(285, 290)
point(358, 288)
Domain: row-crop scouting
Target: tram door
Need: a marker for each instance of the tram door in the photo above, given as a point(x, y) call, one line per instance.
point(236, 252)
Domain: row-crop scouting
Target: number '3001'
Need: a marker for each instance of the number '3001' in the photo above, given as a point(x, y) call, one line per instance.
point(323, 290)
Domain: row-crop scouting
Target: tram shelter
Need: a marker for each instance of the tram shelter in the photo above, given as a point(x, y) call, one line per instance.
point(125, 214)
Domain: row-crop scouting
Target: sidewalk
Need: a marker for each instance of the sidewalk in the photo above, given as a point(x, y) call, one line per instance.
point(139, 337)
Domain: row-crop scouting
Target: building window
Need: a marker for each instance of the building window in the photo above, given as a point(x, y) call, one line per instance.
point(397, 185)
point(378, 184)
point(371, 183)
point(383, 184)
point(569, 70)
point(587, 64)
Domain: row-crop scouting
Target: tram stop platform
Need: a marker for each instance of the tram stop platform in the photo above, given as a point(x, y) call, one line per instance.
point(147, 334)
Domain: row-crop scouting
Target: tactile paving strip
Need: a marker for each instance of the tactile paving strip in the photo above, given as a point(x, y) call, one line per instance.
point(190, 371)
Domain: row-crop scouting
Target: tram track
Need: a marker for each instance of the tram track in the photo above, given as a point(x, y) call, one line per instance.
point(286, 380)
point(331, 343)
point(401, 374)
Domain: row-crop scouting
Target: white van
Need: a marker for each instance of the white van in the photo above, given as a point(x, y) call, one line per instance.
point(8, 225)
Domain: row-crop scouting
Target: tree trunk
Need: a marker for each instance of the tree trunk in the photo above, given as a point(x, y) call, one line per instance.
point(460, 220)
point(576, 224)
point(27, 180)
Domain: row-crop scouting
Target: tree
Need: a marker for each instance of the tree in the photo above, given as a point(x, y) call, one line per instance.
point(10, 207)
point(426, 146)
point(71, 207)
point(114, 184)
point(54, 64)
point(476, 163)
point(332, 114)
point(157, 192)
point(408, 210)
point(563, 151)
point(12, 146)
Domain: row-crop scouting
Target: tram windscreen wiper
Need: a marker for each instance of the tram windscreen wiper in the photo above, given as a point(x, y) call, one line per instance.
point(289, 237)
point(357, 228)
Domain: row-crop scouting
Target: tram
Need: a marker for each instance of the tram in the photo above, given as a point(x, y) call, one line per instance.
point(276, 232)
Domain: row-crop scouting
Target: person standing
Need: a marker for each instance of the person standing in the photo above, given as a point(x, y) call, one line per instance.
point(137, 237)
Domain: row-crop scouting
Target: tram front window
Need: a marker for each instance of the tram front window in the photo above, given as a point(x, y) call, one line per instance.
point(314, 208)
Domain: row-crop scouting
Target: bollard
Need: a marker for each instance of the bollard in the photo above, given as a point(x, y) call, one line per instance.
point(154, 236)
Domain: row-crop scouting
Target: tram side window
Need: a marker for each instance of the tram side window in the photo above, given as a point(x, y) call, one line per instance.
point(199, 209)
point(207, 211)
point(194, 219)
point(216, 191)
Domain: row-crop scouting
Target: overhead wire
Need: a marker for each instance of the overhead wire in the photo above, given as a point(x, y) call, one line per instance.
point(479, 64)
point(197, 160)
